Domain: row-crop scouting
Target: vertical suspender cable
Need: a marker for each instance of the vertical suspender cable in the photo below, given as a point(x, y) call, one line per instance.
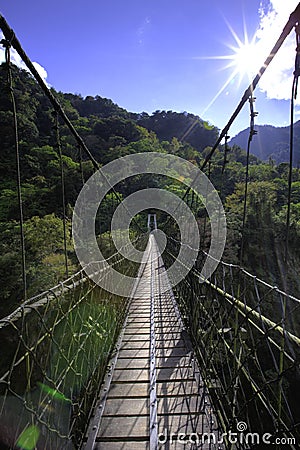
point(290, 178)
point(205, 217)
point(293, 19)
point(81, 165)
point(62, 178)
point(226, 151)
point(252, 132)
point(11, 37)
point(7, 46)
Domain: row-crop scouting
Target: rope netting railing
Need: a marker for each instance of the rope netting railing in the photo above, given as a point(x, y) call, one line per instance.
point(57, 346)
point(245, 332)
point(65, 143)
point(246, 335)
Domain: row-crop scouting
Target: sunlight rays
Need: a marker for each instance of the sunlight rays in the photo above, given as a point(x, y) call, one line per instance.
point(245, 60)
point(246, 55)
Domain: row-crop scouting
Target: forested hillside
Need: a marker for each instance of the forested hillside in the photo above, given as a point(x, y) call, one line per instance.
point(110, 132)
point(271, 143)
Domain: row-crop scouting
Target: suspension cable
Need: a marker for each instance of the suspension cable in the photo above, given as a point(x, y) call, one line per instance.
point(14, 42)
point(252, 133)
point(290, 177)
point(7, 45)
point(292, 21)
point(11, 37)
point(226, 151)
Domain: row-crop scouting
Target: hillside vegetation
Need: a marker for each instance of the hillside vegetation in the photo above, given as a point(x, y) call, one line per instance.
point(111, 132)
point(271, 143)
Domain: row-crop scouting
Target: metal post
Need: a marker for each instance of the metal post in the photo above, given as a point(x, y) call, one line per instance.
point(153, 397)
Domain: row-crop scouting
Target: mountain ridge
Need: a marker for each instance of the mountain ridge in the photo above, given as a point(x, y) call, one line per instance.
point(271, 143)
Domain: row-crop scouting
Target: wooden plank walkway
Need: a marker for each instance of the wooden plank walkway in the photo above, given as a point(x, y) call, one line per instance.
point(153, 396)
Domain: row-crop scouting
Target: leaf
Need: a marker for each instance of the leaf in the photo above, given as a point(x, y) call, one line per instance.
point(53, 392)
point(28, 438)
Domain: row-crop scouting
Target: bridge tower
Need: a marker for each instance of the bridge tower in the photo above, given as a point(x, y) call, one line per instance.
point(152, 223)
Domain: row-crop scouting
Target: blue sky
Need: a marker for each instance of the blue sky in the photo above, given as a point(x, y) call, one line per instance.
point(161, 54)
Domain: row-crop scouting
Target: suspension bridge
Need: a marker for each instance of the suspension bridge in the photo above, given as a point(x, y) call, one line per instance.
point(211, 363)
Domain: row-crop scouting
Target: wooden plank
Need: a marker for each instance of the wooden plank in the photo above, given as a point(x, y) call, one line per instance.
point(140, 309)
point(162, 363)
point(119, 427)
point(144, 327)
point(169, 346)
point(172, 373)
point(177, 388)
point(136, 336)
point(138, 301)
point(129, 390)
point(165, 337)
point(172, 327)
point(131, 345)
point(166, 320)
point(182, 406)
point(137, 321)
point(134, 317)
point(127, 407)
point(133, 375)
point(123, 445)
point(134, 353)
point(171, 352)
point(173, 361)
point(181, 423)
point(129, 363)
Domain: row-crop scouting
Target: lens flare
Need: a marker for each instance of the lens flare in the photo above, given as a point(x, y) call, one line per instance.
point(246, 58)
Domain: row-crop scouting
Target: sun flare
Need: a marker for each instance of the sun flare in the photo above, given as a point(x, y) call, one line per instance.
point(244, 60)
point(245, 57)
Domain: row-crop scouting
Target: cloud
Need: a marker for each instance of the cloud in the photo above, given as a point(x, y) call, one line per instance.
point(17, 60)
point(41, 71)
point(276, 82)
point(143, 29)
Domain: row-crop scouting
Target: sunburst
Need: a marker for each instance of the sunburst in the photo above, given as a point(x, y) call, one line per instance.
point(245, 54)
point(244, 61)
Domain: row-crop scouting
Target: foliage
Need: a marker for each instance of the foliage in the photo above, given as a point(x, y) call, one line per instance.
point(272, 143)
point(111, 132)
point(44, 256)
point(183, 126)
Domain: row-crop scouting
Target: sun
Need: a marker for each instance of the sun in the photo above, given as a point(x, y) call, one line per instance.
point(244, 60)
point(245, 55)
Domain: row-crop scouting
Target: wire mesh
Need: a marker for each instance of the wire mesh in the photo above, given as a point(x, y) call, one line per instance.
point(246, 336)
point(55, 351)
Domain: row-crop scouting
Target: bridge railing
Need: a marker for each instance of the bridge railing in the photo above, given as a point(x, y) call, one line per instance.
point(55, 349)
point(246, 336)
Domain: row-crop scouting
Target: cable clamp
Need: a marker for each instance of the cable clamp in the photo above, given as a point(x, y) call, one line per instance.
point(7, 43)
point(297, 62)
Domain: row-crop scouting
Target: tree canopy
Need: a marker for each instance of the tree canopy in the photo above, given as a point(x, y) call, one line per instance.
point(111, 132)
